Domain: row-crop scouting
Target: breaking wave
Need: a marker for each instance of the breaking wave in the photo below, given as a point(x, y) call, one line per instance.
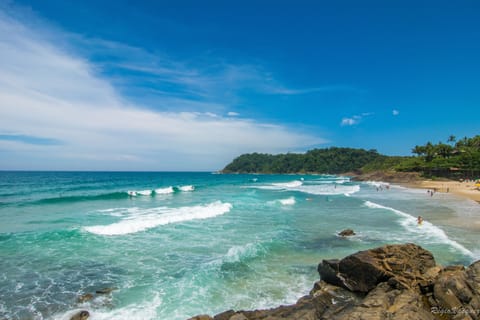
point(143, 219)
point(427, 230)
point(311, 187)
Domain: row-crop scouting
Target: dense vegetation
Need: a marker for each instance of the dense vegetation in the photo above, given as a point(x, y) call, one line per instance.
point(455, 159)
point(330, 160)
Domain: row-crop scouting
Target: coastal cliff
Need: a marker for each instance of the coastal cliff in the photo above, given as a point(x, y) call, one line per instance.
point(389, 282)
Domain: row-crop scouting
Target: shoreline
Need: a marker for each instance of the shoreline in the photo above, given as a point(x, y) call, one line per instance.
point(461, 189)
point(466, 190)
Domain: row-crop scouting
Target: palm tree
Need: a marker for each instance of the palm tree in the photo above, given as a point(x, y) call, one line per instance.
point(452, 139)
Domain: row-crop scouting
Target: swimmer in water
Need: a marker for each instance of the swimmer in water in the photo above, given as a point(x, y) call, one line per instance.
point(419, 220)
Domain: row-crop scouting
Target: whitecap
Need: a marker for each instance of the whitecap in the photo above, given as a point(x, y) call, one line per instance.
point(186, 188)
point(316, 189)
point(145, 192)
point(291, 184)
point(134, 193)
point(287, 202)
point(166, 190)
point(239, 253)
point(144, 219)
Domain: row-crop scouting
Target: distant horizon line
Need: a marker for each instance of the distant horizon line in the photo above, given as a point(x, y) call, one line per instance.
point(113, 171)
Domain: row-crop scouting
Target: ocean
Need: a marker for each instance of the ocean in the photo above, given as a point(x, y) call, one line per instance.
point(171, 245)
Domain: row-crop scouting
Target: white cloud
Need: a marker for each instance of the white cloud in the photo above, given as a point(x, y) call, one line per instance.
point(356, 119)
point(395, 112)
point(51, 93)
point(351, 121)
point(233, 114)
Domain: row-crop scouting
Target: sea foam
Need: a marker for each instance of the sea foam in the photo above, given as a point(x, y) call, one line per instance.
point(166, 190)
point(145, 310)
point(291, 184)
point(134, 193)
point(427, 231)
point(316, 188)
point(143, 219)
point(186, 188)
point(287, 202)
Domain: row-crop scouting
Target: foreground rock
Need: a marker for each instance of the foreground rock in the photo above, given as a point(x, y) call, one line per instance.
point(81, 315)
point(391, 282)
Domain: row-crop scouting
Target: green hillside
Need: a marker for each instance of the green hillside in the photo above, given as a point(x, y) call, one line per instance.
point(455, 159)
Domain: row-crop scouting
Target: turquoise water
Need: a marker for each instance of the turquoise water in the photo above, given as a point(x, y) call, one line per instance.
point(182, 244)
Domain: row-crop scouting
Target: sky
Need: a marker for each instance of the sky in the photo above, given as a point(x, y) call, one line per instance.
point(190, 85)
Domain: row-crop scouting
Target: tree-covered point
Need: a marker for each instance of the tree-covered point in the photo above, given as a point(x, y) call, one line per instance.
point(454, 159)
point(330, 160)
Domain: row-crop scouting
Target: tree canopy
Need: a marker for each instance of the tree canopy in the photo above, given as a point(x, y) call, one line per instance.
point(330, 160)
point(456, 158)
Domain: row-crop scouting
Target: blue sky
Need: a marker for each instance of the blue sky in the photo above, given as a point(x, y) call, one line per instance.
point(189, 85)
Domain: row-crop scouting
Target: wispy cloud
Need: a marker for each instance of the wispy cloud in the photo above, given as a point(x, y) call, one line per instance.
point(395, 112)
point(50, 94)
point(205, 79)
point(353, 120)
point(350, 121)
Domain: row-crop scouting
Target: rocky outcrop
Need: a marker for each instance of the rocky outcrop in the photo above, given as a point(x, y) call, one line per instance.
point(346, 233)
point(390, 282)
point(362, 271)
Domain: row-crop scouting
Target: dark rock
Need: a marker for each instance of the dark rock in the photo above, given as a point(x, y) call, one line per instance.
point(363, 270)
point(85, 297)
point(329, 270)
point(347, 233)
point(391, 282)
point(105, 290)
point(81, 315)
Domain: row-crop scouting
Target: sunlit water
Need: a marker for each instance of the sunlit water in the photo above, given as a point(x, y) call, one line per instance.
point(174, 245)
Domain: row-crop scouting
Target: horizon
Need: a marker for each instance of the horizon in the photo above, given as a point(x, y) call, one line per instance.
point(188, 87)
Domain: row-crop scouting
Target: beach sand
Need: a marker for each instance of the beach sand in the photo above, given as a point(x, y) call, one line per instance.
point(466, 220)
point(462, 189)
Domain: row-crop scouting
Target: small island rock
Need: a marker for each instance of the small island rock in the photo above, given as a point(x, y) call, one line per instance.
point(347, 233)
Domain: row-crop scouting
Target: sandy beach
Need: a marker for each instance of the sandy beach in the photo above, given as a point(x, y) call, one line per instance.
point(463, 189)
point(468, 190)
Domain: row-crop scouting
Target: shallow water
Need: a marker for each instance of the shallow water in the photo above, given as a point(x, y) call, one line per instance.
point(182, 244)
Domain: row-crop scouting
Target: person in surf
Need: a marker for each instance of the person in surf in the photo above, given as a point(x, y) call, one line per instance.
point(419, 220)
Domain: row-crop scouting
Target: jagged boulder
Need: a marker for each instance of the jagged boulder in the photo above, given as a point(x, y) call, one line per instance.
point(362, 271)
